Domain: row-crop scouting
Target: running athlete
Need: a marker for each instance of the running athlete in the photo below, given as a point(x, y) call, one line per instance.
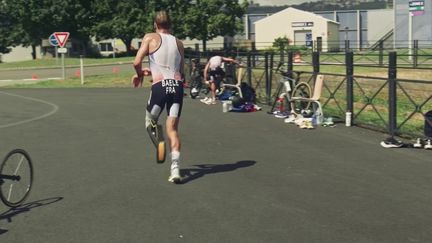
point(166, 58)
point(214, 69)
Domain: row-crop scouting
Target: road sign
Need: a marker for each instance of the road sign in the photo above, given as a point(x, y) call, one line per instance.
point(52, 40)
point(61, 38)
point(416, 7)
point(62, 50)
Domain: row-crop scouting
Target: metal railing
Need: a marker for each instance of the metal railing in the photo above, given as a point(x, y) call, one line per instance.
point(386, 103)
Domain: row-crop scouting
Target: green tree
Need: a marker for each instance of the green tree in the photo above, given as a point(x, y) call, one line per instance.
point(207, 19)
point(38, 19)
point(281, 43)
point(123, 19)
point(6, 25)
point(33, 21)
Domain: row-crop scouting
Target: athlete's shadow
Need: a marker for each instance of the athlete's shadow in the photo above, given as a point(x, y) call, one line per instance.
point(204, 169)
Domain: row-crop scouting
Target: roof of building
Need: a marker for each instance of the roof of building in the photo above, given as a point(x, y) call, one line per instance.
point(290, 9)
point(264, 9)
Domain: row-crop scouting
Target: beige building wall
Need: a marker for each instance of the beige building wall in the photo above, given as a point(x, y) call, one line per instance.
point(20, 53)
point(290, 22)
point(333, 41)
point(385, 18)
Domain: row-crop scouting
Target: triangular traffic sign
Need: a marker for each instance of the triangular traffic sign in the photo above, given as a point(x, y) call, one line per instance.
point(61, 38)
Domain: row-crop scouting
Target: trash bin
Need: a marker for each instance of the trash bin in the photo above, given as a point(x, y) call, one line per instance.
point(428, 124)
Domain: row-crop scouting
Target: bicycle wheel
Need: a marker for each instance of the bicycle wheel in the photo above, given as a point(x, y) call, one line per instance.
point(16, 177)
point(302, 89)
point(195, 87)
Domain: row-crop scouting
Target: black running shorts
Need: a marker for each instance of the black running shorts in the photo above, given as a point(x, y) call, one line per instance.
point(167, 92)
point(215, 73)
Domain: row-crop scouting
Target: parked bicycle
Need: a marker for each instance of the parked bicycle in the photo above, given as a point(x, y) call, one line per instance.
point(290, 87)
point(16, 177)
point(197, 85)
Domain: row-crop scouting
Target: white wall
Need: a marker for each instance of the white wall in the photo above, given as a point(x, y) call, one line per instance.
point(20, 53)
point(280, 25)
point(385, 20)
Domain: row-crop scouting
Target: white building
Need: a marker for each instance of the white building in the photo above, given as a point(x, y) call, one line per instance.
point(19, 53)
point(300, 27)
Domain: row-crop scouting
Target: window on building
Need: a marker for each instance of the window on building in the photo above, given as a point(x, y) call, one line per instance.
point(107, 46)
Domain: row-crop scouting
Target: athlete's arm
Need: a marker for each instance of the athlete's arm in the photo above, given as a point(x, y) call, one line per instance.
point(227, 59)
point(142, 52)
point(181, 50)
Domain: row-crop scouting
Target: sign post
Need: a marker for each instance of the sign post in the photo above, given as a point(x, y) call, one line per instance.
point(59, 39)
point(415, 8)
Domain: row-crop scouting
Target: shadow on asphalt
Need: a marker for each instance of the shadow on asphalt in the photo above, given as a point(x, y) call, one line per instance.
point(27, 207)
point(191, 174)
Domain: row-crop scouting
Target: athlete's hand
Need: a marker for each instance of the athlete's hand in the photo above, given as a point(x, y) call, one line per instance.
point(137, 81)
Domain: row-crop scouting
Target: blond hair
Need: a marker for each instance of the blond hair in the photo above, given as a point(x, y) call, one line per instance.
point(162, 20)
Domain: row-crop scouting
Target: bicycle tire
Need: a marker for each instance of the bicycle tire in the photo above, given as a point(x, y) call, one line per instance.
point(17, 163)
point(304, 90)
point(196, 84)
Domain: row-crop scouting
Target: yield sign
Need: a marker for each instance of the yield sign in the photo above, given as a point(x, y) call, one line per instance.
point(61, 38)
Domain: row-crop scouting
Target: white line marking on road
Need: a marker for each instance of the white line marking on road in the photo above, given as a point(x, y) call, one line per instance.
point(6, 80)
point(54, 110)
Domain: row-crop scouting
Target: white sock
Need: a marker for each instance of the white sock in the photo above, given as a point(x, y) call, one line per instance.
point(175, 158)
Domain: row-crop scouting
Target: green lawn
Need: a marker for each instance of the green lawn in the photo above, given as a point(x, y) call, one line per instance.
point(96, 81)
point(69, 61)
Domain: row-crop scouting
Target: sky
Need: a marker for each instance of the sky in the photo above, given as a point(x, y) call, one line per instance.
point(281, 2)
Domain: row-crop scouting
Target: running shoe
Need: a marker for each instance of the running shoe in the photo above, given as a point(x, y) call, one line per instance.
point(303, 125)
point(328, 122)
point(175, 175)
point(291, 119)
point(210, 102)
point(392, 143)
point(283, 114)
point(428, 144)
point(205, 99)
point(418, 143)
point(309, 125)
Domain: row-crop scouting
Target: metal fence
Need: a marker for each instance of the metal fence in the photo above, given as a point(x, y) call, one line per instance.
point(382, 102)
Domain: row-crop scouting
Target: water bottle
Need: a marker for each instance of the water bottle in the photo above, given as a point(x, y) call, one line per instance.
point(225, 107)
point(348, 115)
point(280, 104)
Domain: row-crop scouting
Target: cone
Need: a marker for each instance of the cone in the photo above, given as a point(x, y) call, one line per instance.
point(34, 76)
point(115, 69)
point(77, 73)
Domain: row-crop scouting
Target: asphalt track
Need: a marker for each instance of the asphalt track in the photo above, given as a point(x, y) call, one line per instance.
point(248, 177)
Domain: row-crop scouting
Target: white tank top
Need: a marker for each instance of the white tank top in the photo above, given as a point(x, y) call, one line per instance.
point(215, 62)
point(165, 61)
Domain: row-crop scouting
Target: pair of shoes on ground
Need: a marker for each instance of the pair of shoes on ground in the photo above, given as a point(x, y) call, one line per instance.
point(208, 101)
point(328, 122)
point(290, 119)
point(420, 143)
point(281, 114)
point(392, 143)
point(306, 124)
